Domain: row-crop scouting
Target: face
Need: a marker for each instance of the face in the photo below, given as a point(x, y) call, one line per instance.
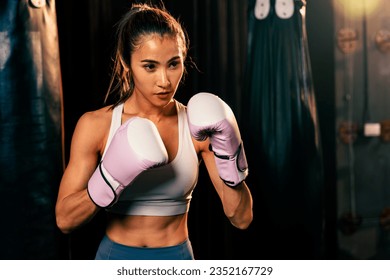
point(157, 68)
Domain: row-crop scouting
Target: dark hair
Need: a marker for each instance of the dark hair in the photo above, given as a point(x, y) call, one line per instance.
point(139, 21)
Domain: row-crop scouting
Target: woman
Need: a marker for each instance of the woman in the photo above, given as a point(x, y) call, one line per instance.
point(147, 203)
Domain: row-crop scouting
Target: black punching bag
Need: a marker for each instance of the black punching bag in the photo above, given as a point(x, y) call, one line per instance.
point(283, 130)
point(30, 129)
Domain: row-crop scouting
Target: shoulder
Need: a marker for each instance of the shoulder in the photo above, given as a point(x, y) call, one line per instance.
point(93, 127)
point(94, 117)
point(99, 115)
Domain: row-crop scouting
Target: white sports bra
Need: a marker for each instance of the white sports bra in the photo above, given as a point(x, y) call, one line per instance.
point(165, 190)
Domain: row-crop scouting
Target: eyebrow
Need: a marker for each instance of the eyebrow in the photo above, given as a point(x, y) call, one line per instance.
point(156, 62)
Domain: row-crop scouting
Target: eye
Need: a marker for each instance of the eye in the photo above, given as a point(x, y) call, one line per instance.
point(149, 67)
point(174, 64)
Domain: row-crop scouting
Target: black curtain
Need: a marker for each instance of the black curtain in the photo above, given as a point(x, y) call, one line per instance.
point(30, 130)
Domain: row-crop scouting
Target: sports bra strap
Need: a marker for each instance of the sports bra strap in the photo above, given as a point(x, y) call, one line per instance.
point(116, 122)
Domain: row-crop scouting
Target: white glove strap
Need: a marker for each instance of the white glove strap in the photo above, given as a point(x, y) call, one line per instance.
point(114, 184)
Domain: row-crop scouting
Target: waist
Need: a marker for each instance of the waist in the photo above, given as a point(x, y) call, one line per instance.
point(147, 231)
point(110, 250)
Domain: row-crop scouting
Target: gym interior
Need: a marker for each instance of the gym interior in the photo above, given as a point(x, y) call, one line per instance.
point(310, 88)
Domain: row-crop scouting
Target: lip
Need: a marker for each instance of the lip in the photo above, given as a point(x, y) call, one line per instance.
point(163, 93)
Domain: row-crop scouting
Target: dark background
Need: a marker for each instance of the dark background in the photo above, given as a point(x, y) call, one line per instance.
point(218, 35)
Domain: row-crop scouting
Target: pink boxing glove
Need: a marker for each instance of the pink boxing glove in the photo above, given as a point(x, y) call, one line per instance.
point(135, 147)
point(210, 116)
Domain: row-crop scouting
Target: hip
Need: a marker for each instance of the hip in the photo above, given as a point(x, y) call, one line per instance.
point(110, 250)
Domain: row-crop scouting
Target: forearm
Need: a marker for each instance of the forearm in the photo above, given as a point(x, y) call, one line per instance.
point(74, 211)
point(238, 205)
point(209, 117)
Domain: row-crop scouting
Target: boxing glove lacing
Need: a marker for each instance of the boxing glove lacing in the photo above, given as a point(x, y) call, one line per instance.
point(232, 157)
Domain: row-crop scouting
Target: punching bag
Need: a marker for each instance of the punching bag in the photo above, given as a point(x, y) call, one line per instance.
point(30, 129)
point(282, 125)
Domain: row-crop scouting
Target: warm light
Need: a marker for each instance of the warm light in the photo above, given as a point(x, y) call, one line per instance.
point(356, 8)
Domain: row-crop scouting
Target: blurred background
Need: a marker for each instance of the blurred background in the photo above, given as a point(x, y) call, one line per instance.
point(308, 81)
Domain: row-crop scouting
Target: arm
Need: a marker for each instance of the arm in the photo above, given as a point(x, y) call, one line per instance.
point(135, 147)
point(74, 207)
point(237, 202)
point(212, 122)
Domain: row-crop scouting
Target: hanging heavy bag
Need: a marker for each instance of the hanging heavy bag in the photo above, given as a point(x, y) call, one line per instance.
point(282, 125)
point(30, 129)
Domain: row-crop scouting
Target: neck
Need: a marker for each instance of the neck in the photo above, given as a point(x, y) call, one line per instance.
point(134, 107)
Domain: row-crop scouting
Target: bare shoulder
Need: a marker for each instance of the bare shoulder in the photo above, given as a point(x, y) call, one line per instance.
point(92, 128)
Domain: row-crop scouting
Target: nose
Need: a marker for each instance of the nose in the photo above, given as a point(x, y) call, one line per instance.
point(163, 79)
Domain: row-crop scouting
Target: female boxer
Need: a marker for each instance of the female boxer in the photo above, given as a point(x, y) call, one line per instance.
point(137, 158)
